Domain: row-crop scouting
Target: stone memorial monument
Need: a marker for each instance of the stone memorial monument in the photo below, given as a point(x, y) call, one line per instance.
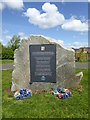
point(27, 75)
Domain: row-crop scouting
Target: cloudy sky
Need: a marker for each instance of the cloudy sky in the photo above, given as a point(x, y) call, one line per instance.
point(67, 22)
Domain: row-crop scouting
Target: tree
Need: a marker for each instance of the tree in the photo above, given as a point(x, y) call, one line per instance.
point(7, 53)
point(0, 50)
point(79, 56)
point(14, 43)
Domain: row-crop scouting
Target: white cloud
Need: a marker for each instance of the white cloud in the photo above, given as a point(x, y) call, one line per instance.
point(73, 17)
point(77, 44)
point(1, 6)
point(5, 31)
point(62, 1)
point(24, 37)
point(83, 33)
point(50, 18)
point(83, 18)
point(13, 4)
point(1, 40)
point(80, 44)
point(89, 24)
point(8, 37)
point(21, 34)
point(75, 25)
point(61, 42)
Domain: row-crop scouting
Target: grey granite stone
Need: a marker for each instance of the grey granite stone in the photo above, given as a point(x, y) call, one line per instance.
point(65, 66)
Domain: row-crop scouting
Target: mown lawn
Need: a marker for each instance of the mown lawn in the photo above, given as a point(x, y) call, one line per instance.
point(12, 61)
point(6, 61)
point(45, 105)
point(83, 61)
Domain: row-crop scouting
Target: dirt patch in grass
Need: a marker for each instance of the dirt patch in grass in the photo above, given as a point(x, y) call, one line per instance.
point(39, 92)
point(8, 91)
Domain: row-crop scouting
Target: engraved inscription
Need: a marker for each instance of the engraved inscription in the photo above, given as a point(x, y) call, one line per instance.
point(42, 63)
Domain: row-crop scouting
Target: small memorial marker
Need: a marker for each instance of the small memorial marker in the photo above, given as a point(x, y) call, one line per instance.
point(43, 63)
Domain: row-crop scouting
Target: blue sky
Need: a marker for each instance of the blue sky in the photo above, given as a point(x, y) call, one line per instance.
point(66, 22)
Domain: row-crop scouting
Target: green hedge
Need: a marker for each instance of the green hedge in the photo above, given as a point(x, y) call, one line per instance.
point(7, 53)
point(81, 56)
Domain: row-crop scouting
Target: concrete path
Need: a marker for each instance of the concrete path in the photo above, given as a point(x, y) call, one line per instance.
point(82, 65)
point(6, 66)
point(10, 66)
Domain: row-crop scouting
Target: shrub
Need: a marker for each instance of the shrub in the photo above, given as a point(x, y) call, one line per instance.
point(7, 53)
point(81, 56)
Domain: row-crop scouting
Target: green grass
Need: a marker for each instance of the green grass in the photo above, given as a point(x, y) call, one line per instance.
point(6, 61)
point(12, 61)
point(83, 61)
point(45, 105)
